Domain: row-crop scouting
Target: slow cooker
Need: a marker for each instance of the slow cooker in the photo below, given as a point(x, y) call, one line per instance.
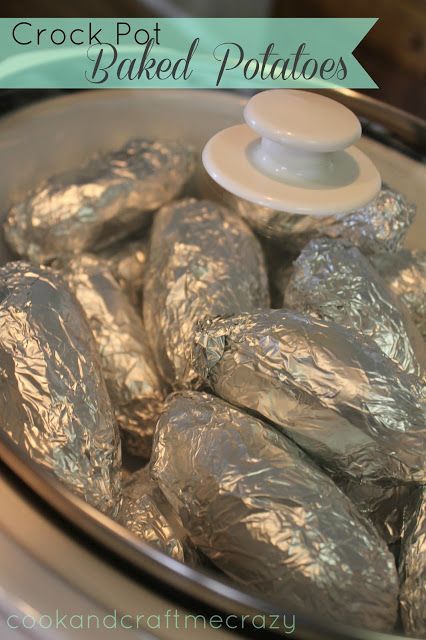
point(58, 556)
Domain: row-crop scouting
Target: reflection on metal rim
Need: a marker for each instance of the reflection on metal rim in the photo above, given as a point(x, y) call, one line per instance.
point(391, 124)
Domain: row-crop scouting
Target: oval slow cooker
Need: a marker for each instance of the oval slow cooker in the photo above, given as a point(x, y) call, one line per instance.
point(59, 557)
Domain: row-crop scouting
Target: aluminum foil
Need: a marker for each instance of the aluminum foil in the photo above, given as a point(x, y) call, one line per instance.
point(380, 226)
point(127, 262)
point(341, 399)
point(132, 380)
point(383, 504)
point(146, 513)
point(204, 261)
point(93, 205)
point(334, 281)
point(264, 514)
point(413, 567)
point(53, 400)
point(405, 274)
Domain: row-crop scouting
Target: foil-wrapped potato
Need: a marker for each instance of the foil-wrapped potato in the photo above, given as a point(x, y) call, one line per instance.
point(413, 566)
point(204, 261)
point(146, 513)
point(135, 388)
point(341, 399)
point(54, 403)
point(265, 515)
point(379, 226)
point(103, 200)
point(127, 262)
point(334, 281)
point(405, 274)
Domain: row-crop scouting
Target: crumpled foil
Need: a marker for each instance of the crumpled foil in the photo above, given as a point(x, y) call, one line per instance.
point(270, 519)
point(383, 504)
point(54, 402)
point(413, 567)
point(341, 399)
point(132, 380)
point(334, 281)
point(146, 513)
point(405, 274)
point(379, 226)
point(204, 261)
point(97, 203)
point(127, 262)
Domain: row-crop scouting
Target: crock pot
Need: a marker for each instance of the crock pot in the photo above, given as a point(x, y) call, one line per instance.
point(59, 555)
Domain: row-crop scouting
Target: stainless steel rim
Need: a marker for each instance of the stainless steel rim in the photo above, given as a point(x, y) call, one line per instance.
point(392, 124)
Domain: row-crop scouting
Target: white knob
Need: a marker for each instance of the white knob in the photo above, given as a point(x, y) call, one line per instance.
point(294, 155)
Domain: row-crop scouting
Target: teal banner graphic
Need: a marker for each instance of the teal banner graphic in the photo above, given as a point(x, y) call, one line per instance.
point(244, 53)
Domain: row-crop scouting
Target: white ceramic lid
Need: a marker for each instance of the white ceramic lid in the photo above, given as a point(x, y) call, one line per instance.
point(293, 155)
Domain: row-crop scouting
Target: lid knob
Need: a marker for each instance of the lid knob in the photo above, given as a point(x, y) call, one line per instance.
point(294, 155)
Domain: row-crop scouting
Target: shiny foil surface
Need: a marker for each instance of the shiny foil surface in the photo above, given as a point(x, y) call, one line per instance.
point(204, 261)
point(105, 199)
point(54, 402)
point(379, 226)
point(413, 567)
point(383, 504)
point(334, 281)
point(146, 513)
point(341, 399)
point(271, 520)
point(127, 262)
point(132, 380)
point(405, 273)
